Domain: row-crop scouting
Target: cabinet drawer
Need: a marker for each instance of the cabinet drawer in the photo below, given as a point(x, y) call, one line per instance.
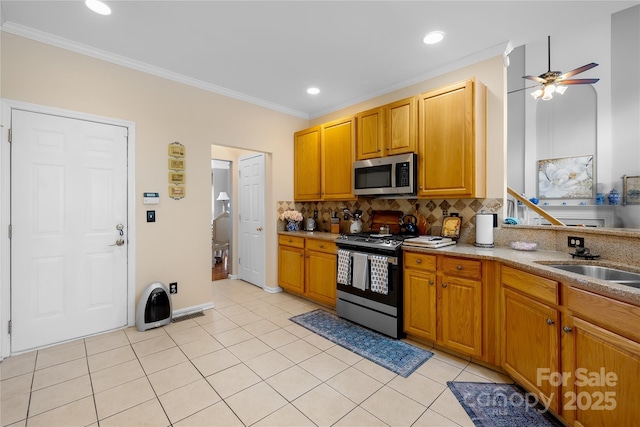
point(296, 242)
point(530, 284)
point(611, 314)
point(322, 246)
point(462, 267)
point(419, 261)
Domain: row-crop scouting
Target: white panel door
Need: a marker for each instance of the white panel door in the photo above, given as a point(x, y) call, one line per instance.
point(251, 219)
point(68, 199)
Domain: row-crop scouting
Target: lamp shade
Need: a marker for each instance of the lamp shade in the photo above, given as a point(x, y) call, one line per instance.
point(223, 196)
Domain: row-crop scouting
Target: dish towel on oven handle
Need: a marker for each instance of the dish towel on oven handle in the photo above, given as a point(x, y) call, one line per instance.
point(360, 265)
point(379, 274)
point(344, 267)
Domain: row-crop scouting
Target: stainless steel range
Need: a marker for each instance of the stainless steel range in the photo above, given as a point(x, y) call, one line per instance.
point(370, 281)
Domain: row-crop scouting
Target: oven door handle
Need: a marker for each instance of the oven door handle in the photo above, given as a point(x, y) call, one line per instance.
point(390, 259)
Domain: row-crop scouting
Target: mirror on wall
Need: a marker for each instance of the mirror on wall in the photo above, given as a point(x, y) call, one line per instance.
point(587, 120)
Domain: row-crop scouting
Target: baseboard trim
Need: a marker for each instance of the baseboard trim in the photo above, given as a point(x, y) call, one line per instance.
point(273, 290)
point(192, 309)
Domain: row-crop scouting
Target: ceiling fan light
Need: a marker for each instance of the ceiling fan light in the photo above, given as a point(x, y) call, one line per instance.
point(537, 94)
point(561, 89)
point(547, 96)
point(549, 90)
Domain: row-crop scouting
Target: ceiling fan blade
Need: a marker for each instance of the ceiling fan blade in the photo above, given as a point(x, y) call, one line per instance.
point(522, 88)
point(577, 82)
point(578, 70)
point(535, 79)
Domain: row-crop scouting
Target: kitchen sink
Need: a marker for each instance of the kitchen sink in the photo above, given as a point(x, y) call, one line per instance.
point(603, 273)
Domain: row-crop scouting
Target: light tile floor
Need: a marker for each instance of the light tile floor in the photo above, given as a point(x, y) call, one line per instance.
point(243, 363)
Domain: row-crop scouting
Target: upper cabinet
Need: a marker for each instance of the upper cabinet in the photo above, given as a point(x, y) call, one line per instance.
point(323, 161)
point(306, 164)
point(387, 130)
point(452, 141)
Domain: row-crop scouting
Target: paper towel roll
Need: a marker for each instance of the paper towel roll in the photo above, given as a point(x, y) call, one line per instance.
point(484, 229)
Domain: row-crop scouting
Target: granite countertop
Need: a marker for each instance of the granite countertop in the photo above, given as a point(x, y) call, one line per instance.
point(320, 235)
point(530, 261)
point(534, 262)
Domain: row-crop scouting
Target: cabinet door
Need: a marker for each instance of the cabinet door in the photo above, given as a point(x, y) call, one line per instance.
point(420, 303)
point(370, 134)
point(530, 344)
point(401, 126)
point(461, 314)
point(321, 271)
point(291, 268)
point(447, 143)
point(306, 164)
point(604, 369)
point(337, 159)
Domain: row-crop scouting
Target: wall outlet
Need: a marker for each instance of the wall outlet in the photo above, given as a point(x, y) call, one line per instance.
point(572, 242)
point(173, 288)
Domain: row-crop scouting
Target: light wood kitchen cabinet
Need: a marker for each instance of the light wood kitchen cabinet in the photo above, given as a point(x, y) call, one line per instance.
point(321, 264)
point(387, 130)
point(461, 304)
point(323, 157)
point(531, 332)
point(452, 141)
point(370, 135)
point(291, 263)
point(444, 304)
point(601, 353)
point(420, 295)
point(337, 141)
point(307, 164)
point(307, 267)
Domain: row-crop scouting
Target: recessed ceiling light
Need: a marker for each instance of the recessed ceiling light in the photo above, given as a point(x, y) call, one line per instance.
point(313, 91)
point(98, 7)
point(433, 37)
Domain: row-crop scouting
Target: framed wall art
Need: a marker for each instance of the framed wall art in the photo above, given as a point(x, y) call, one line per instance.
point(631, 193)
point(176, 149)
point(176, 192)
point(566, 178)
point(177, 178)
point(176, 164)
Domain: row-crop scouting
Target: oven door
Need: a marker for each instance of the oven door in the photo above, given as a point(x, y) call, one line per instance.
point(394, 279)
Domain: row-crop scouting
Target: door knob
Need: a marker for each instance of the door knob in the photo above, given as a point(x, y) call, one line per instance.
point(259, 229)
point(118, 242)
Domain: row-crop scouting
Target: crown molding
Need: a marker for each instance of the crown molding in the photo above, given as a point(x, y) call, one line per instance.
point(40, 36)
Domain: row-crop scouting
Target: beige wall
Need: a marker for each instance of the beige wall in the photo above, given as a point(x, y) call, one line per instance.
point(491, 73)
point(177, 246)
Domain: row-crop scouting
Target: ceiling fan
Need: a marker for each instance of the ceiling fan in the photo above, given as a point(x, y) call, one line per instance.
point(556, 82)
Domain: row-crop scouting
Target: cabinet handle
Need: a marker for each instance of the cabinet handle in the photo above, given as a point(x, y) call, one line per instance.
point(290, 240)
point(459, 268)
point(550, 322)
point(444, 285)
point(388, 148)
point(322, 246)
point(567, 329)
point(431, 282)
point(418, 261)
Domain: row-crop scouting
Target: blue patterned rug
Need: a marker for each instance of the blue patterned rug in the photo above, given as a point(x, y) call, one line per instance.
point(501, 405)
point(395, 355)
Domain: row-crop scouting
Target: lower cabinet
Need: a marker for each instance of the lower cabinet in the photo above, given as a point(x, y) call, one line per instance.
point(308, 267)
point(530, 333)
point(443, 301)
point(291, 263)
point(601, 365)
point(321, 265)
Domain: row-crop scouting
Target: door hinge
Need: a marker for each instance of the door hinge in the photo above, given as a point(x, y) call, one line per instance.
point(239, 260)
point(9, 327)
point(10, 135)
point(10, 231)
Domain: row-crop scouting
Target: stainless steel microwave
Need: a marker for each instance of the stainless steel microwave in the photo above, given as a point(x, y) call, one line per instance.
point(392, 175)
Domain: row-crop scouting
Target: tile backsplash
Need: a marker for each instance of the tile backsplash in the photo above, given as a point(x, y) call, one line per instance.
point(434, 210)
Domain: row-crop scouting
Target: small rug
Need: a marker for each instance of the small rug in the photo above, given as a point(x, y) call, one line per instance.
point(501, 405)
point(395, 355)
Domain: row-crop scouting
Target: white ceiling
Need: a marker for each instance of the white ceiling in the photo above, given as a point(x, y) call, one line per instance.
point(270, 52)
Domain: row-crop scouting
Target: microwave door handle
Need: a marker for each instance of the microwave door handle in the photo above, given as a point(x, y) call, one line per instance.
point(393, 175)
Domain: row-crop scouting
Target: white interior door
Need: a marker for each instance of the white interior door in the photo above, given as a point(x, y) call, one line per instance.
point(68, 202)
point(251, 219)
